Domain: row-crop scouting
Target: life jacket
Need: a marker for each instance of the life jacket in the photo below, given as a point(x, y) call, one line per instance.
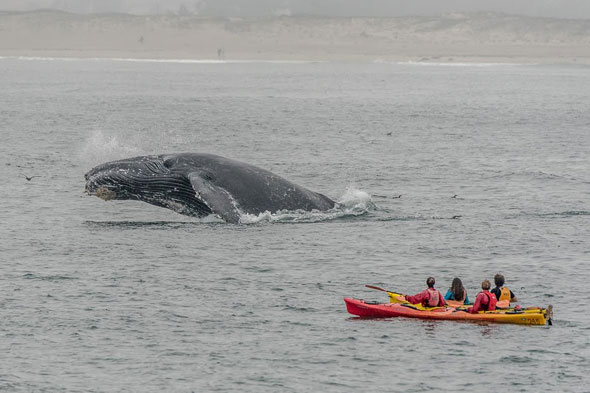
point(434, 298)
point(502, 304)
point(491, 306)
point(454, 303)
point(504, 300)
point(504, 294)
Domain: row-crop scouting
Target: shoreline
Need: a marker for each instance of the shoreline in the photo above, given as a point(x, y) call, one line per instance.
point(477, 38)
point(129, 57)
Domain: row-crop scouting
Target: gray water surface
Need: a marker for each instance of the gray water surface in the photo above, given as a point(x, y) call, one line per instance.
point(123, 296)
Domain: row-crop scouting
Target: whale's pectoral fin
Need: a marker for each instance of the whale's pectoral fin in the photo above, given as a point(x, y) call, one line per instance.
point(217, 198)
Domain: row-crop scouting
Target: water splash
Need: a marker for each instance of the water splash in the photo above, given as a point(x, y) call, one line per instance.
point(354, 199)
point(352, 203)
point(100, 148)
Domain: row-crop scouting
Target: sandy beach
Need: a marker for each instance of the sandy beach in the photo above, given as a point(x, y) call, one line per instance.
point(455, 38)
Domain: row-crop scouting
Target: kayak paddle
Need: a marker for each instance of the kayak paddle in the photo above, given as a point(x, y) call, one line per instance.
point(378, 288)
point(384, 290)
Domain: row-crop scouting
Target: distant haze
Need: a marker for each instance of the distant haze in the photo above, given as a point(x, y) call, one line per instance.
point(338, 8)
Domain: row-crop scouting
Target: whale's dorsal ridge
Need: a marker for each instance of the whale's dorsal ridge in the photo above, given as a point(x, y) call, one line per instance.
point(216, 198)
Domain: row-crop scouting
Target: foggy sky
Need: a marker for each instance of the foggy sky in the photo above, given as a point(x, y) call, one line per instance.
point(252, 8)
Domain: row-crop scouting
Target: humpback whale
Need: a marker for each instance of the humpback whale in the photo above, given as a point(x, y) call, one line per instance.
point(198, 185)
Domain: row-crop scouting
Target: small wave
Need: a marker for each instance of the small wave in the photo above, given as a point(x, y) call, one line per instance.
point(530, 174)
point(289, 307)
point(352, 203)
point(517, 359)
point(210, 219)
point(419, 218)
point(570, 213)
point(564, 214)
point(57, 277)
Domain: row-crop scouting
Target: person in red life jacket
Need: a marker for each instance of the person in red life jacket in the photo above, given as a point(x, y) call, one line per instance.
point(485, 300)
point(430, 297)
point(504, 295)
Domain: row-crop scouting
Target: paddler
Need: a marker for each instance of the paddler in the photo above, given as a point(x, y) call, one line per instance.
point(456, 295)
point(503, 294)
point(430, 297)
point(485, 300)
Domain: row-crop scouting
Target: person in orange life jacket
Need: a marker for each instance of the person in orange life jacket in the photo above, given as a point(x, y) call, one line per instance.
point(485, 300)
point(503, 294)
point(429, 297)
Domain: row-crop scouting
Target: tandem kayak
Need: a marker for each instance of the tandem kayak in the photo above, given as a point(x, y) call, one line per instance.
point(537, 316)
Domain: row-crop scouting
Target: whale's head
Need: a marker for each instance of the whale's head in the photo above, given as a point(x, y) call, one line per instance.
point(134, 178)
point(158, 180)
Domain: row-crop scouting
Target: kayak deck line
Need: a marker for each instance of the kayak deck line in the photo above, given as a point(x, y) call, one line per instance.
point(395, 298)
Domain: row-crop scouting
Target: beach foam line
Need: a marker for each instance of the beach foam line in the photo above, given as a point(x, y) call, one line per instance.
point(140, 60)
point(449, 64)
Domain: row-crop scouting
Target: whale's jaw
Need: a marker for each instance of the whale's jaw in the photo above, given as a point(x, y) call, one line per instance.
point(104, 193)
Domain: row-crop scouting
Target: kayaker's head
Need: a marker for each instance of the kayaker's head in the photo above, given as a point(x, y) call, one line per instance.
point(499, 280)
point(457, 288)
point(456, 283)
point(430, 282)
point(485, 285)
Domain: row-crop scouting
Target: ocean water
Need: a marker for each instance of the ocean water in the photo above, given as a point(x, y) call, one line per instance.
point(122, 296)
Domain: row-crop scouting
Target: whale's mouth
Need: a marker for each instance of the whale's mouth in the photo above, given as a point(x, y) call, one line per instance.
point(103, 193)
